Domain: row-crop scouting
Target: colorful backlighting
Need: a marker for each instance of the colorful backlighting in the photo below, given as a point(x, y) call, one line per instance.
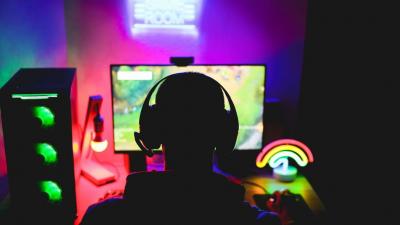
point(277, 155)
point(45, 115)
point(52, 190)
point(48, 153)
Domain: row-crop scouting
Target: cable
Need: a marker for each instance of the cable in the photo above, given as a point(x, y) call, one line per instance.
point(256, 185)
point(229, 176)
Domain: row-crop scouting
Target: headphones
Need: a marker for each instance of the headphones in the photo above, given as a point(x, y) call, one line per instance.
point(150, 134)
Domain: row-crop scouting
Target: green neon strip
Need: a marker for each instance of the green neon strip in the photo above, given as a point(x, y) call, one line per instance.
point(52, 190)
point(45, 115)
point(48, 152)
point(34, 96)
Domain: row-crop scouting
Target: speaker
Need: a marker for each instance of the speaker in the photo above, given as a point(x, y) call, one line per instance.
point(38, 116)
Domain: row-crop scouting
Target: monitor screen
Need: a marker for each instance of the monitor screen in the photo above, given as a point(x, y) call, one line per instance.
point(244, 83)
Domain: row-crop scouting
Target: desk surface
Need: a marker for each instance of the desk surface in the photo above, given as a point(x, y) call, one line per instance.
point(257, 184)
point(88, 193)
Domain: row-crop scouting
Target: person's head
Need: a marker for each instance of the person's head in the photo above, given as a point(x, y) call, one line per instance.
point(191, 120)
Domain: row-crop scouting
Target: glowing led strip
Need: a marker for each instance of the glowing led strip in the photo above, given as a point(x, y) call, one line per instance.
point(34, 96)
point(261, 162)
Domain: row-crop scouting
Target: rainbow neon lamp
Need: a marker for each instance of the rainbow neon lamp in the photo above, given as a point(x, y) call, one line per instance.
point(277, 154)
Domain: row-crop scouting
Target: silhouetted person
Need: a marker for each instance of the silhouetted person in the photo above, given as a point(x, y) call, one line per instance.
point(189, 121)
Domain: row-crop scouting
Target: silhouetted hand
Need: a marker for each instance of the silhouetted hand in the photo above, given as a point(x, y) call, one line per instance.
point(111, 194)
point(277, 204)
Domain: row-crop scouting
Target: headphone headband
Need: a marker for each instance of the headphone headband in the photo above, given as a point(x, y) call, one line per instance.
point(148, 97)
point(233, 119)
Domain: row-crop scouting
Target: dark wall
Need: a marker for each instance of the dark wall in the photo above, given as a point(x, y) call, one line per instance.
point(347, 109)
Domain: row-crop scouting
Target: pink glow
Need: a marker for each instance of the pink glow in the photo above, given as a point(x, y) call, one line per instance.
point(99, 34)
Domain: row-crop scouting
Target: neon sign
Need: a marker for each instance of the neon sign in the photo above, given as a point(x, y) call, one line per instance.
point(164, 15)
point(277, 154)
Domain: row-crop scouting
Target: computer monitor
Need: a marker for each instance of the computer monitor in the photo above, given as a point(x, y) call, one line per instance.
point(131, 84)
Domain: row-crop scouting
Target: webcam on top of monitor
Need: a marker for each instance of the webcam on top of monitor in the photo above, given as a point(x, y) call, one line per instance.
point(181, 61)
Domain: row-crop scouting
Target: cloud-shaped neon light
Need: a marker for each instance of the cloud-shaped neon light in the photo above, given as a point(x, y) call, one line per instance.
point(277, 154)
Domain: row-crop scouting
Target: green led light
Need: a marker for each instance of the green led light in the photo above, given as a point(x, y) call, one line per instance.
point(45, 115)
point(48, 152)
point(34, 96)
point(52, 190)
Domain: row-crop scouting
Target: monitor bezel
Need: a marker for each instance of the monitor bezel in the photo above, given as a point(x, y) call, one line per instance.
point(159, 151)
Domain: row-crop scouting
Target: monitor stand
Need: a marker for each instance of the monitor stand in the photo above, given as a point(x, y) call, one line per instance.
point(137, 161)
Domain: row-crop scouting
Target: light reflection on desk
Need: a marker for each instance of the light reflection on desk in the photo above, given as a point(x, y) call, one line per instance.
point(299, 186)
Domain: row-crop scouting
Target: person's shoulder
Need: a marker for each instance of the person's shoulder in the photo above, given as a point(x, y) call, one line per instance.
point(214, 194)
point(138, 183)
point(151, 175)
point(250, 214)
point(103, 212)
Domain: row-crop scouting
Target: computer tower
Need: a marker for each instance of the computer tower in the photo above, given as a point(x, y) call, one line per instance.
point(38, 117)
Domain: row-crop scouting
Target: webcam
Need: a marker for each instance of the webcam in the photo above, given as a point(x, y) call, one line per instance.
point(181, 61)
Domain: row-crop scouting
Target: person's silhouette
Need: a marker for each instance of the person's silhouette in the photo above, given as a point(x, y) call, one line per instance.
point(190, 122)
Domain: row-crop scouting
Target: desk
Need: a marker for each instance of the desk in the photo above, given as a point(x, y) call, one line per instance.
point(299, 186)
point(88, 193)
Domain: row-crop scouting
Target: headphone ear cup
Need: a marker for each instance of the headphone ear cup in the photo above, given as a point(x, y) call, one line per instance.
point(149, 128)
point(228, 133)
